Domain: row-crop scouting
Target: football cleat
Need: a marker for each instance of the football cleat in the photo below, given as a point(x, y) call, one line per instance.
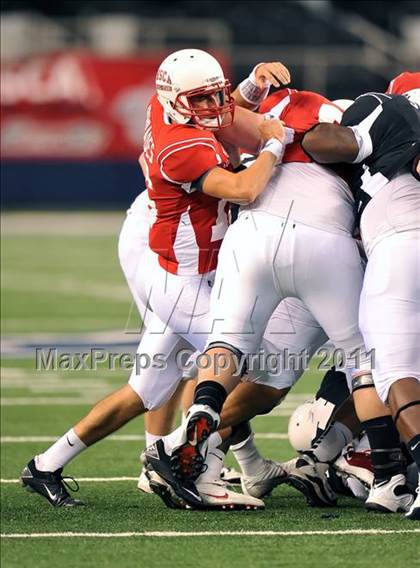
point(216, 495)
point(414, 513)
point(339, 483)
point(188, 455)
point(289, 465)
point(309, 477)
point(157, 460)
point(356, 471)
point(230, 476)
point(390, 496)
point(271, 475)
point(163, 490)
point(143, 482)
point(49, 484)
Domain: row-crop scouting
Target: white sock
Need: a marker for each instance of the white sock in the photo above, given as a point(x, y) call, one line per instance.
point(248, 457)
point(151, 438)
point(214, 461)
point(60, 453)
point(331, 443)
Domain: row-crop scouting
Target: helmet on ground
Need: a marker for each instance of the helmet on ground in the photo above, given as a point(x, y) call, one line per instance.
point(303, 426)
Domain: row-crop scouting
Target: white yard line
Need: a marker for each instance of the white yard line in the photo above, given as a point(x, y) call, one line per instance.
point(120, 438)
point(177, 534)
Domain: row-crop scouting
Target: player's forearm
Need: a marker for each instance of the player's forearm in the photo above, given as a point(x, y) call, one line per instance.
point(330, 143)
point(243, 187)
point(251, 92)
point(240, 101)
point(253, 180)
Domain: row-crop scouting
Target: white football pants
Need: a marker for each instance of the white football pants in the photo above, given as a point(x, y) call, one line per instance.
point(157, 371)
point(390, 309)
point(264, 259)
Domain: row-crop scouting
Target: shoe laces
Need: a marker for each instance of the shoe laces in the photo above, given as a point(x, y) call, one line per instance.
point(65, 481)
point(199, 467)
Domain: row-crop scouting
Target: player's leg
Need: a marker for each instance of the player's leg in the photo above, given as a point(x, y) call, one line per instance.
point(43, 473)
point(290, 339)
point(390, 323)
point(183, 303)
point(210, 484)
point(296, 334)
point(259, 474)
point(159, 423)
point(331, 291)
point(243, 299)
point(146, 389)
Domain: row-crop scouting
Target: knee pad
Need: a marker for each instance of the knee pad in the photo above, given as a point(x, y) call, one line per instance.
point(362, 380)
point(404, 407)
point(240, 357)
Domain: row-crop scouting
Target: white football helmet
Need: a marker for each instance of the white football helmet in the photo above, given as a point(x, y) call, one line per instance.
point(307, 421)
point(189, 73)
point(302, 426)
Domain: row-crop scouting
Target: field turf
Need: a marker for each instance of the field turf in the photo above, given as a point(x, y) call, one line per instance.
point(60, 278)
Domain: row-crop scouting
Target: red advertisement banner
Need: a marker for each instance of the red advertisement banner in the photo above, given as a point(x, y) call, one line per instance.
point(75, 105)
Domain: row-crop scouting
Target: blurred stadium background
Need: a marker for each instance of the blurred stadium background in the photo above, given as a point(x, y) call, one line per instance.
point(77, 74)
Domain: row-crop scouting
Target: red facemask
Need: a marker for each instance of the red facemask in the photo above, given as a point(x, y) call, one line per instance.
point(221, 113)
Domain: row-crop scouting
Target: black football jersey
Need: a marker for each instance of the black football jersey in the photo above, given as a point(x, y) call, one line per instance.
point(390, 126)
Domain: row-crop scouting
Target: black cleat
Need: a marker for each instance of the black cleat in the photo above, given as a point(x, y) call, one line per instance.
point(179, 493)
point(309, 477)
point(159, 486)
point(49, 484)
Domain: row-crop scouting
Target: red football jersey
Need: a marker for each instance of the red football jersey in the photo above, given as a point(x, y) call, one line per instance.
point(403, 83)
point(300, 110)
point(188, 225)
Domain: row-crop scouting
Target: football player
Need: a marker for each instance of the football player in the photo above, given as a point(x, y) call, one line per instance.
point(389, 453)
point(193, 98)
point(279, 228)
point(380, 135)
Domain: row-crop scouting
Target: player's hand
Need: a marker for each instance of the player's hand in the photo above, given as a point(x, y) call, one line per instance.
point(274, 73)
point(272, 128)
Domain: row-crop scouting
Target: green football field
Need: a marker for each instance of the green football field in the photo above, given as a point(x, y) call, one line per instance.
point(61, 285)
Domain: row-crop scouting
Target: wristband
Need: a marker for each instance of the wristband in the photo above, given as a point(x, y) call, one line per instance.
point(289, 132)
point(251, 92)
point(274, 146)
